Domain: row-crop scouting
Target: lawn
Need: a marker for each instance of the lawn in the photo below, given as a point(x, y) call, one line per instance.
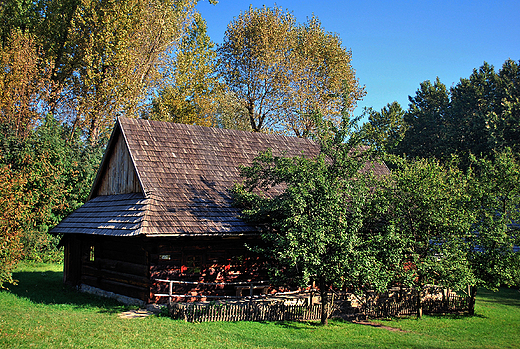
point(40, 312)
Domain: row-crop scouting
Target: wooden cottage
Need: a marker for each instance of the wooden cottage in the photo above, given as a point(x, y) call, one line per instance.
point(160, 208)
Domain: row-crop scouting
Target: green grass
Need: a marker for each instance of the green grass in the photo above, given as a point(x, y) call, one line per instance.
point(40, 312)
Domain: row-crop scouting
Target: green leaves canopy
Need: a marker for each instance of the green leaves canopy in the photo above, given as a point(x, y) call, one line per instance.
point(423, 207)
point(313, 228)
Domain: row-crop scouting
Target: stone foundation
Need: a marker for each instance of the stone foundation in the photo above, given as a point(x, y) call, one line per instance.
point(120, 298)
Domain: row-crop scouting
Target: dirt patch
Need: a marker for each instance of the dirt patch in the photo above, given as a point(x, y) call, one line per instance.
point(373, 324)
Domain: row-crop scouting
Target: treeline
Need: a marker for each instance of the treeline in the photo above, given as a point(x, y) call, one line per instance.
point(447, 214)
point(479, 115)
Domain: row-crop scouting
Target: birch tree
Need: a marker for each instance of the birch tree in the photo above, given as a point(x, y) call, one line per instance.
point(284, 73)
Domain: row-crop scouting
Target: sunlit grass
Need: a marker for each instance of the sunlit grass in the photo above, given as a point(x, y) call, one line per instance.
point(40, 312)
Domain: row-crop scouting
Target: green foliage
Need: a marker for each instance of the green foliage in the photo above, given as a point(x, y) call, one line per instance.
point(423, 207)
point(426, 120)
point(56, 173)
point(479, 115)
point(313, 229)
point(384, 130)
point(495, 235)
point(427, 223)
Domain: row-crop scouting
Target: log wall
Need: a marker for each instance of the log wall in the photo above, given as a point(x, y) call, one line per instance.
point(216, 260)
point(115, 264)
point(129, 265)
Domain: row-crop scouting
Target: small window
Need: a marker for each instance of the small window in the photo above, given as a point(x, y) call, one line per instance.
point(165, 257)
point(91, 254)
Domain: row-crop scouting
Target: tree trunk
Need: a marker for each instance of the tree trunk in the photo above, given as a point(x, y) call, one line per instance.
point(472, 294)
point(419, 303)
point(324, 302)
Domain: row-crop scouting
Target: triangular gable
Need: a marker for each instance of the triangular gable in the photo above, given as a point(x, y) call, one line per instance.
point(117, 173)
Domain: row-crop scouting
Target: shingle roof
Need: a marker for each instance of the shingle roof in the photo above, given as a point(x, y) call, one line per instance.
point(186, 173)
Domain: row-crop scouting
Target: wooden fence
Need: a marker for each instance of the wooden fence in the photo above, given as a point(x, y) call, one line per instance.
point(248, 311)
point(408, 306)
point(280, 311)
point(282, 307)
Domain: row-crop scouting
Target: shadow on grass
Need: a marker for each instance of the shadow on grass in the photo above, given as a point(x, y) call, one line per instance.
point(506, 296)
point(457, 316)
point(46, 287)
point(304, 325)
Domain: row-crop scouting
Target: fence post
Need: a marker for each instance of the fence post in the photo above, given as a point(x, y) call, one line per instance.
point(170, 292)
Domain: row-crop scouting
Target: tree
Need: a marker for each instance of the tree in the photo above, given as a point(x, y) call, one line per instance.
point(426, 119)
point(192, 95)
point(120, 57)
point(479, 115)
point(106, 58)
point(13, 211)
point(252, 62)
point(321, 80)
point(231, 113)
point(492, 244)
point(474, 102)
point(508, 120)
point(285, 73)
point(54, 173)
point(24, 85)
point(313, 229)
point(384, 130)
point(423, 208)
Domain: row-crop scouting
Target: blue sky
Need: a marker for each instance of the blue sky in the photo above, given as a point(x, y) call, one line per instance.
point(398, 44)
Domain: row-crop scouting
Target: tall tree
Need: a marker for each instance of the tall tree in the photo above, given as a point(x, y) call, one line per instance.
point(321, 80)
point(478, 115)
point(284, 73)
point(314, 228)
point(192, 94)
point(24, 85)
point(386, 129)
point(507, 122)
point(426, 120)
point(252, 61)
point(231, 112)
point(474, 103)
point(123, 49)
point(107, 58)
point(17, 16)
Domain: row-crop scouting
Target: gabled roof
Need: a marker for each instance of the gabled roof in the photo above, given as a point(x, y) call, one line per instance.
point(166, 179)
point(184, 174)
